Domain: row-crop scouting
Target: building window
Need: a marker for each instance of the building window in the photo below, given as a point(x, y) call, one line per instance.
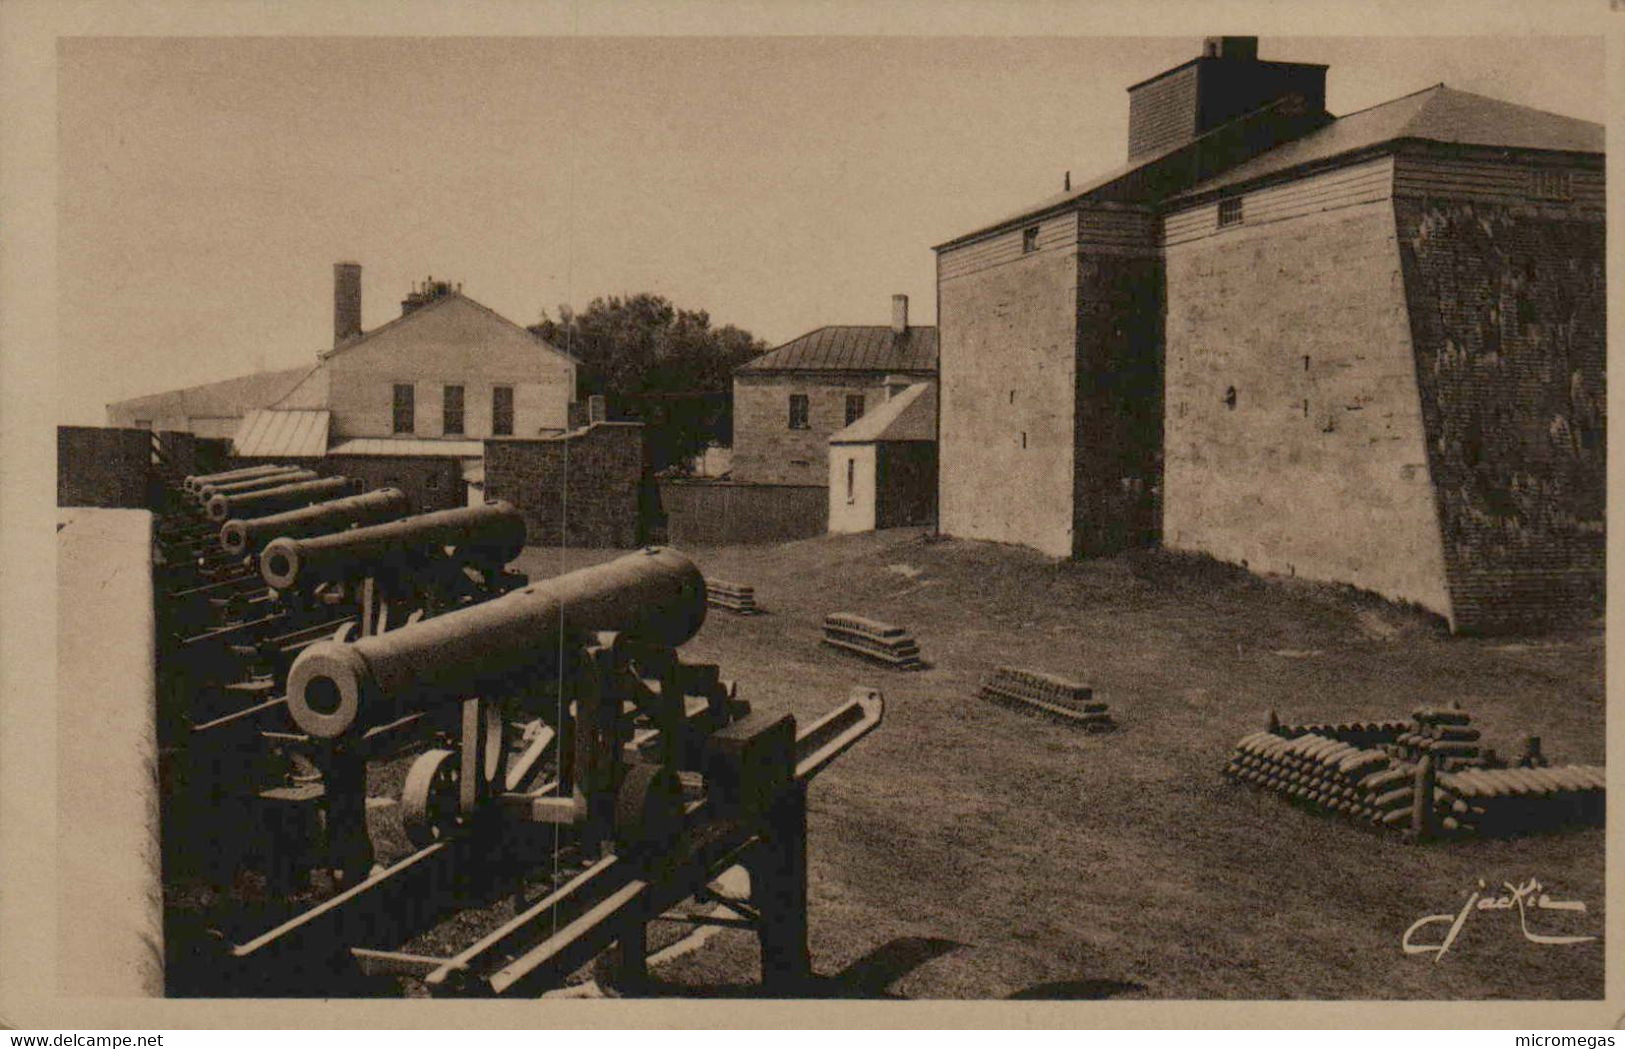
point(1551, 185)
point(1230, 397)
point(798, 412)
point(1230, 211)
point(502, 411)
point(851, 474)
point(1029, 239)
point(451, 411)
point(854, 408)
point(405, 411)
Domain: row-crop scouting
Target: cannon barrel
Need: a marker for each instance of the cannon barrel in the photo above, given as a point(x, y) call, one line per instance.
point(192, 482)
point(266, 501)
point(242, 537)
point(492, 534)
point(292, 475)
point(655, 596)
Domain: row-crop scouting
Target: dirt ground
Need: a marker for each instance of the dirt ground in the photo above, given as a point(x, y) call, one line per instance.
point(966, 850)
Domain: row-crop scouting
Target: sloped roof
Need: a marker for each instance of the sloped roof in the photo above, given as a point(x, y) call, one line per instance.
point(451, 449)
point(853, 347)
point(909, 416)
point(292, 433)
point(228, 397)
point(1436, 114)
point(439, 303)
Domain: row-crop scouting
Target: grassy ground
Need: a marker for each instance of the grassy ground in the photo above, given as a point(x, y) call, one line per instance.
point(965, 850)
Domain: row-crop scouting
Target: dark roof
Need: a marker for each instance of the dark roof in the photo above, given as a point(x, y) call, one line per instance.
point(1436, 114)
point(853, 347)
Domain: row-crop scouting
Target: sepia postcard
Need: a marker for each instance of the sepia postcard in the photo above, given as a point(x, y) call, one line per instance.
point(688, 514)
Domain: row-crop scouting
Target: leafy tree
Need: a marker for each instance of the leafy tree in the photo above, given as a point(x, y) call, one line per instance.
point(653, 362)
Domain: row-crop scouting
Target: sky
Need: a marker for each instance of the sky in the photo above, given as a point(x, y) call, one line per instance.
point(207, 185)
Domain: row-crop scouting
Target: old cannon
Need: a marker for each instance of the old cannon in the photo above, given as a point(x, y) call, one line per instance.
point(192, 482)
point(241, 538)
point(488, 535)
point(654, 598)
point(647, 776)
point(265, 501)
point(291, 475)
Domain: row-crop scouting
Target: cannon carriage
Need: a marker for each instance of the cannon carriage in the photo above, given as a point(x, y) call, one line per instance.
point(463, 733)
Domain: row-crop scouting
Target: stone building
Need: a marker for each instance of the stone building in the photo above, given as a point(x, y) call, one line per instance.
point(408, 404)
point(883, 467)
point(788, 401)
point(1365, 349)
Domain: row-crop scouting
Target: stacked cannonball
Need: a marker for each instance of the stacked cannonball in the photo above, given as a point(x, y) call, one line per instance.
point(1447, 734)
point(1329, 774)
point(1499, 802)
point(1372, 773)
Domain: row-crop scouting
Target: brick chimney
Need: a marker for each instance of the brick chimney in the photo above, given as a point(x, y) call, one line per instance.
point(899, 314)
point(1225, 82)
point(346, 302)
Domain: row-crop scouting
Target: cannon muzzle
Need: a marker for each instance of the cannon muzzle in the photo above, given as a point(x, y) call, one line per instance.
point(655, 596)
point(243, 537)
point(269, 501)
point(489, 535)
point(291, 475)
point(193, 482)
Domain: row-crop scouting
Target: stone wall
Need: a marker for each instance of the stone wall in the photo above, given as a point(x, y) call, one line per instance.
point(1507, 311)
point(431, 482)
point(584, 488)
point(1118, 421)
point(1293, 428)
point(1007, 323)
point(722, 513)
point(104, 466)
point(766, 450)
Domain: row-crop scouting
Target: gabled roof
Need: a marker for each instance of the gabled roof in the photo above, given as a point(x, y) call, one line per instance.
point(291, 433)
point(1435, 114)
point(436, 304)
point(909, 416)
point(229, 397)
point(853, 347)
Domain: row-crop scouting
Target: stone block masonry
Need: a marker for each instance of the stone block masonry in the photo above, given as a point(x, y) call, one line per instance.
point(1507, 313)
point(583, 488)
point(103, 466)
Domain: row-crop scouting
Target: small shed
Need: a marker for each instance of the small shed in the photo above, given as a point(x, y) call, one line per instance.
point(883, 467)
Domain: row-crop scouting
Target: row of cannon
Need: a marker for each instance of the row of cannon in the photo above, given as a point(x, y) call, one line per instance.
point(317, 635)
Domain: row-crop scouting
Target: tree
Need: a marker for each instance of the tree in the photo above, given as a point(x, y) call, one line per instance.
point(653, 362)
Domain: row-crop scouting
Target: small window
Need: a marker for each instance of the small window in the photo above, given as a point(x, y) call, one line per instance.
point(1230, 211)
point(854, 408)
point(502, 411)
point(452, 411)
point(1029, 239)
point(405, 412)
point(1230, 398)
point(798, 412)
point(1551, 185)
point(851, 475)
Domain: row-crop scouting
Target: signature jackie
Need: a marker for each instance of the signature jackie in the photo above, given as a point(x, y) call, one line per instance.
point(1531, 895)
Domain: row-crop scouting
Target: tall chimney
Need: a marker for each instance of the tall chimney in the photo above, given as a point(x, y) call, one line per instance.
point(899, 314)
point(346, 302)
